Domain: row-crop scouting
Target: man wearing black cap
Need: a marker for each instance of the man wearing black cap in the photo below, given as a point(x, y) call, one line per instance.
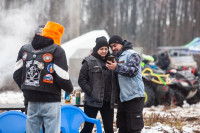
point(128, 68)
point(99, 86)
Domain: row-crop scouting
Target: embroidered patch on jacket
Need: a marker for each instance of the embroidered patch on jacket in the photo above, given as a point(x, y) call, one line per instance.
point(47, 57)
point(41, 65)
point(96, 67)
point(34, 56)
point(32, 73)
point(50, 68)
point(36, 51)
point(121, 61)
point(24, 56)
point(48, 78)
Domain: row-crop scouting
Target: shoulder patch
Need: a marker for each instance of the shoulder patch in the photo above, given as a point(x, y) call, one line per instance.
point(47, 57)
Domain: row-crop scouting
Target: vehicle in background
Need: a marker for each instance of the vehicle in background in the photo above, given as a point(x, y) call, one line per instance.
point(174, 57)
point(156, 84)
point(185, 86)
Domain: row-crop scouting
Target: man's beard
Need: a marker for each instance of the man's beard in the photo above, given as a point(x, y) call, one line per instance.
point(114, 53)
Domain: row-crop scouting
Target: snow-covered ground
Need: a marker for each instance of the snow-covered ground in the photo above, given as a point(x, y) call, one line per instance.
point(158, 119)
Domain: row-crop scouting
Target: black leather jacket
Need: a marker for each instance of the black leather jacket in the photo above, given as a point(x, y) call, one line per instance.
point(92, 81)
point(41, 68)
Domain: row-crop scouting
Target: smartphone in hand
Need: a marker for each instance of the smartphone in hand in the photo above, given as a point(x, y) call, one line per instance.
point(111, 58)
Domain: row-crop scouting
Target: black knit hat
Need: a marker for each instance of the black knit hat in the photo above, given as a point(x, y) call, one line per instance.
point(100, 42)
point(116, 39)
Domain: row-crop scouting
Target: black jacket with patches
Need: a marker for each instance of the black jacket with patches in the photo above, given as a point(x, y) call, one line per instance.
point(41, 71)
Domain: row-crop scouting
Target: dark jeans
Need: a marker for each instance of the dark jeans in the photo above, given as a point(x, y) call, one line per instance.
point(129, 116)
point(107, 115)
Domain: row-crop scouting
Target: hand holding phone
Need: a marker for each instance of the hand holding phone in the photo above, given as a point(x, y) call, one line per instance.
point(111, 63)
point(111, 58)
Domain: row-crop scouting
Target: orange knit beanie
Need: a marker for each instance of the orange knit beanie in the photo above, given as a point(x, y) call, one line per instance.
point(54, 31)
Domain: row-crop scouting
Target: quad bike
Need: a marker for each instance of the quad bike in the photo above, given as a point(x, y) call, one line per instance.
point(156, 84)
point(192, 69)
point(185, 86)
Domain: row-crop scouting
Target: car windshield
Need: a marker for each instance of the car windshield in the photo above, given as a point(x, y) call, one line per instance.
point(179, 52)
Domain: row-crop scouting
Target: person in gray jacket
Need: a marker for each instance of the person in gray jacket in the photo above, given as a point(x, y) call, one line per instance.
point(99, 86)
point(132, 95)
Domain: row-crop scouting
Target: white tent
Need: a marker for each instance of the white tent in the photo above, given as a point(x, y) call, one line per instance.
point(79, 48)
point(85, 41)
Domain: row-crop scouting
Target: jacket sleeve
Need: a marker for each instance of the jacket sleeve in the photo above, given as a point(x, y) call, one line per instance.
point(83, 79)
point(131, 68)
point(61, 70)
point(17, 75)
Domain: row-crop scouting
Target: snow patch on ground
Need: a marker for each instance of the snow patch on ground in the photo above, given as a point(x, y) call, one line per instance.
point(188, 115)
point(11, 97)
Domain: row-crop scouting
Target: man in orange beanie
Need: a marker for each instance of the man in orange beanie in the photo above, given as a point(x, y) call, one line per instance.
point(41, 71)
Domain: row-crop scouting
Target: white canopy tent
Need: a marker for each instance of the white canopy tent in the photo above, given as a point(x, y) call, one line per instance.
point(85, 41)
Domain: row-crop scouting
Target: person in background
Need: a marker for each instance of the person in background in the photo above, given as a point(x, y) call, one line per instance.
point(99, 86)
point(37, 32)
point(41, 71)
point(132, 95)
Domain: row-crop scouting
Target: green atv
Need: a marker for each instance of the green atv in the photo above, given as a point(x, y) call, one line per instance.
point(156, 87)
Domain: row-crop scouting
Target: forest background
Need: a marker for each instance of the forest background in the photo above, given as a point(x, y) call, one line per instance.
point(147, 23)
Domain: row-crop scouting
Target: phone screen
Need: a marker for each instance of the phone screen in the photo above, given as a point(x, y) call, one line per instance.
point(110, 58)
